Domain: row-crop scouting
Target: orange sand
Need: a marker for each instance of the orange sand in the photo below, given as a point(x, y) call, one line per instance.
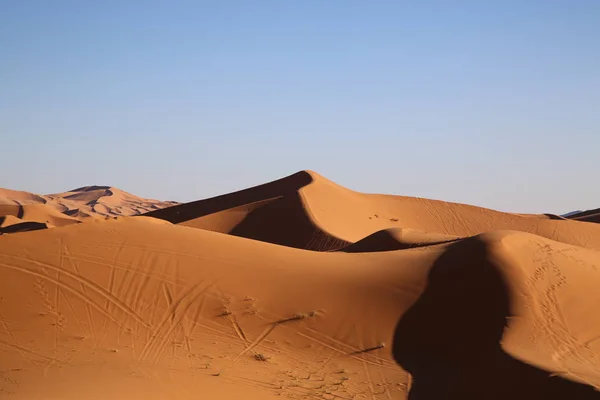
point(298, 289)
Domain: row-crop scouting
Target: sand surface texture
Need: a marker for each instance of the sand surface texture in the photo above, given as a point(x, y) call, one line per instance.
point(297, 289)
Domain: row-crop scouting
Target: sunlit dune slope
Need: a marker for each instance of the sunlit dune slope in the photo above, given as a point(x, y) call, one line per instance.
point(16, 197)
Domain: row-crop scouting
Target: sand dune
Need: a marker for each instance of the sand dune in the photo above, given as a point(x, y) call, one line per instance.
point(12, 224)
point(42, 213)
point(397, 239)
point(326, 216)
point(162, 309)
point(499, 313)
point(76, 205)
point(16, 197)
point(274, 212)
point(423, 300)
point(108, 201)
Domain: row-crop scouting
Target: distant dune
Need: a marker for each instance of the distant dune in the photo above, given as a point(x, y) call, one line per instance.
point(75, 206)
point(297, 289)
point(586, 216)
point(12, 224)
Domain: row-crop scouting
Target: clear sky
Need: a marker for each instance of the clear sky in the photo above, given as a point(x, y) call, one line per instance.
point(492, 103)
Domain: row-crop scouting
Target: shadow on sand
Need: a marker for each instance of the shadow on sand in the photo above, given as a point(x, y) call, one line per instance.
point(449, 340)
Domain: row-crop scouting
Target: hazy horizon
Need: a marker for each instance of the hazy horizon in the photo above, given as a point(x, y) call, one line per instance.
point(490, 105)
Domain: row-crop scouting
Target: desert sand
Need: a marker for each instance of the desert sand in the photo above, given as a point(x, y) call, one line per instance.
point(299, 289)
point(28, 211)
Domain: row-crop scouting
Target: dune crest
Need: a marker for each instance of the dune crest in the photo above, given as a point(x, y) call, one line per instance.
point(275, 212)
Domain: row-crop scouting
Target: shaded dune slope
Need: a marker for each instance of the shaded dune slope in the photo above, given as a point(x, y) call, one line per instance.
point(587, 216)
point(397, 239)
point(274, 212)
point(450, 339)
point(164, 311)
point(189, 212)
point(12, 224)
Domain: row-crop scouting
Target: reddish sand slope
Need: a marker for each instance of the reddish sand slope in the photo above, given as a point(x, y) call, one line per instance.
point(139, 310)
point(74, 206)
point(308, 211)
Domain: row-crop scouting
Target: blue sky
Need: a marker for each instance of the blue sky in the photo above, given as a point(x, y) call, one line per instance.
point(492, 103)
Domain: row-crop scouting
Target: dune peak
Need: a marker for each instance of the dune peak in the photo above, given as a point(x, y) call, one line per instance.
point(91, 188)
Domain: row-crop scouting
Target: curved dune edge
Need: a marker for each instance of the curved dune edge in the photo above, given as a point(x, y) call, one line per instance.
point(12, 224)
point(17, 197)
point(274, 212)
point(39, 213)
point(308, 211)
point(164, 310)
point(498, 316)
point(9, 220)
point(397, 239)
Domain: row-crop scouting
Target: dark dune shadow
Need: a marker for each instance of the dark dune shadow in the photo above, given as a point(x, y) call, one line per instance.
point(72, 213)
point(23, 227)
point(587, 216)
point(284, 221)
point(382, 241)
point(185, 212)
point(555, 217)
point(449, 340)
point(16, 210)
